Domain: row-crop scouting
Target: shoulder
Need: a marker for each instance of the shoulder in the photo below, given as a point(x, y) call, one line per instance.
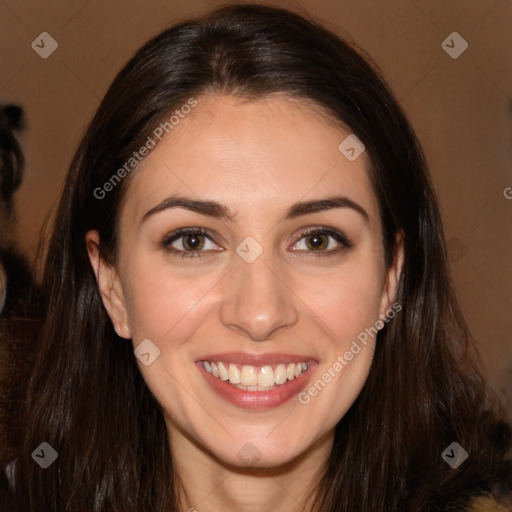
point(488, 504)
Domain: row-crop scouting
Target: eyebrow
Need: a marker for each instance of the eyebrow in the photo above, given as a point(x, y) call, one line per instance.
point(220, 211)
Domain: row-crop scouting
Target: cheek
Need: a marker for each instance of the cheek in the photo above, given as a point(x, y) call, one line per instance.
point(160, 301)
point(346, 301)
point(346, 305)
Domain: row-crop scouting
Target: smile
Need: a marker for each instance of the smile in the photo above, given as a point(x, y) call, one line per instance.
point(257, 382)
point(254, 378)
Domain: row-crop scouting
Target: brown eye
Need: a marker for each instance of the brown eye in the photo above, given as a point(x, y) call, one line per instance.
point(193, 242)
point(317, 242)
point(324, 241)
point(189, 242)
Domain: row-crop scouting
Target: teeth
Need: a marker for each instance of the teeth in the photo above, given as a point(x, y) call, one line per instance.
point(254, 388)
point(252, 378)
point(234, 373)
point(223, 373)
point(266, 376)
point(280, 374)
point(249, 376)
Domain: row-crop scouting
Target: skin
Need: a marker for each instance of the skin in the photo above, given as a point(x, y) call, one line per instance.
point(258, 158)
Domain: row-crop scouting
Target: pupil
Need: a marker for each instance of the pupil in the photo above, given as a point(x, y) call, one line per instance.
point(316, 241)
point(192, 242)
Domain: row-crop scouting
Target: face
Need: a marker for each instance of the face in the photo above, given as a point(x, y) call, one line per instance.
point(245, 322)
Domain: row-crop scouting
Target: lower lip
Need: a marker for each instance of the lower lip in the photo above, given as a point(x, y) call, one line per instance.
point(258, 399)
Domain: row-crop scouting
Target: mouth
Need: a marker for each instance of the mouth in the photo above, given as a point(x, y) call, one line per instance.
point(267, 382)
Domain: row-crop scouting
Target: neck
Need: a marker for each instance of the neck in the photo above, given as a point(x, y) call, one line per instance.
point(209, 485)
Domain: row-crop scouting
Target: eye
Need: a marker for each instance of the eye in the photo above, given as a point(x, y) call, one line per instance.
point(322, 240)
point(189, 242)
point(192, 242)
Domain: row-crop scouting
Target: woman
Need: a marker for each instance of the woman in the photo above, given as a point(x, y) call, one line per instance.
point(248, 301)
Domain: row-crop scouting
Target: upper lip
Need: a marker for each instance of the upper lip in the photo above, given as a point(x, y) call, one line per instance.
point(244, 358)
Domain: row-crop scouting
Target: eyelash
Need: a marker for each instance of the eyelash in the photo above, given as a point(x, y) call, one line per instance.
point(176, 235)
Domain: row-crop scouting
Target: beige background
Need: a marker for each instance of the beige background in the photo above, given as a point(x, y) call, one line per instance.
point(460, 108)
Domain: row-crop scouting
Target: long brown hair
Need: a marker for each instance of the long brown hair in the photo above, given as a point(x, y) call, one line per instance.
point(86, 396)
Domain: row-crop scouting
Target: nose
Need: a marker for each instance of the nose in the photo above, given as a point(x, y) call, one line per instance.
point(257, 299)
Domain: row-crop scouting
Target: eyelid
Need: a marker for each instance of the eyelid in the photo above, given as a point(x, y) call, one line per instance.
point(178, 233)
point(338, 235)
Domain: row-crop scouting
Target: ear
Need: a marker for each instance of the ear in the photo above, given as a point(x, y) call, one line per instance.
point(109, 285)
point(392, 279)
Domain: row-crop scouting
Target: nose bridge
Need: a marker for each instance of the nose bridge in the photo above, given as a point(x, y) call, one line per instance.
point(257, 300)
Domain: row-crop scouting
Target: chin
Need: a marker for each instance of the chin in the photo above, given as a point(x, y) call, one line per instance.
point(257, 453)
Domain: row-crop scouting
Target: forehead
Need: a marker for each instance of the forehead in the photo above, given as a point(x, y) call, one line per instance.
point(251, 155)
